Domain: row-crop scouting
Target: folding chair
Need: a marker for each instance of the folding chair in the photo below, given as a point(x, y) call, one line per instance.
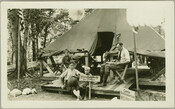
point(122, 74)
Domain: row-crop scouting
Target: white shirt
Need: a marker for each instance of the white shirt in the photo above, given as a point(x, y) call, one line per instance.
point(70, 73)
point(125, 57)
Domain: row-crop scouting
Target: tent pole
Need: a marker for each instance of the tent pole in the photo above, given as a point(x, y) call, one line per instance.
point(87, 64)
point(135, 57)
point(86, 59)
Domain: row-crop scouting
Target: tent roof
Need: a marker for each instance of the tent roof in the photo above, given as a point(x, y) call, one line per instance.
point(84, 34)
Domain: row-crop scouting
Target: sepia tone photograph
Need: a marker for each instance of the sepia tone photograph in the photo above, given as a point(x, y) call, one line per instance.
point(86, 54)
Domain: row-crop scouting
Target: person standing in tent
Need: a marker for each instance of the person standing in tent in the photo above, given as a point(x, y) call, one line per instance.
point(122, 60)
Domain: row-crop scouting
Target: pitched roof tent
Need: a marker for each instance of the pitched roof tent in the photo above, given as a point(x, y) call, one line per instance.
point(84, 35)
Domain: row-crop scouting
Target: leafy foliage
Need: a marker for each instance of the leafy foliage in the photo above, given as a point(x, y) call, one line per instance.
point(40, 27)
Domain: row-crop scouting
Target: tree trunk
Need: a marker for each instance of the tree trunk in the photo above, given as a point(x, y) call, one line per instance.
point(36, 53)
point(13, 48)
point(37, 36)
point(33, 43)
point(45, 35)
point(33, 50)
point(23, 62)
point(19, 54)
point(13, 54)
point(15, 38)
point(44, 43)
point(26, 35)
point(23, 56)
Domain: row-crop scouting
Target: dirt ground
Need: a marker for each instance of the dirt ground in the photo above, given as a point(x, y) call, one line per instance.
point(36, 82)
point(51, 96)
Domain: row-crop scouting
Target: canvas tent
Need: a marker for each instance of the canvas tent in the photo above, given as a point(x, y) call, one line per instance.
point(95, 34)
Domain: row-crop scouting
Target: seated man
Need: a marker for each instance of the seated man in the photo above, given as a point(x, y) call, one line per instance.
point(123, 59)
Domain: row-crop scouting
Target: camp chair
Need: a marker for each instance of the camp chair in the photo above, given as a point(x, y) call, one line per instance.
point(121, 73)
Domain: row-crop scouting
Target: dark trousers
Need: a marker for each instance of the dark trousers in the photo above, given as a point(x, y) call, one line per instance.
point(105, 70)
point(71, 84)
point(84, 89)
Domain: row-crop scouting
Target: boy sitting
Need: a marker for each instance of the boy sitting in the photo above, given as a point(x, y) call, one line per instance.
point(70, 80)
point(83, 86)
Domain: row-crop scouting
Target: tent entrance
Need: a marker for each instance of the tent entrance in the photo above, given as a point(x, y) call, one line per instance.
point(104, 42)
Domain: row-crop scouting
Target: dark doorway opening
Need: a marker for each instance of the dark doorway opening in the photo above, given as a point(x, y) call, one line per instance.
point(104, 43)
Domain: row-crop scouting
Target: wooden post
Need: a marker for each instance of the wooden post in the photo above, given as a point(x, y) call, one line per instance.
point(135, 57)
point(41, 68)
point(87, 64)
point(86, 59)
point(19, 63)
point(89, 90)
point(47, 67)
point(53, 62)
point(145, 60)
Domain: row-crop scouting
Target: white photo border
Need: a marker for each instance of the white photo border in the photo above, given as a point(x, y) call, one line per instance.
point(169, 33)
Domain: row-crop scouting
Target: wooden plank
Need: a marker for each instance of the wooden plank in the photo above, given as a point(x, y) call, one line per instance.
point(53, 62)
point(110, 89)
point(90, 78)
point(100, 88)
point(129, 84)
point(50, 88)
point(158, 74)
point(97, 90)
point(49, 78)
point(58, 89)
point(114, 93)
point(112, 86)
point(151, 83)
point(109, 86)
point(115, 86)
point(48, 68)
point(120, 86)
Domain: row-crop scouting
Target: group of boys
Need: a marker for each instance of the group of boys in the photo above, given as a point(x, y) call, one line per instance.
point(70, 77)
